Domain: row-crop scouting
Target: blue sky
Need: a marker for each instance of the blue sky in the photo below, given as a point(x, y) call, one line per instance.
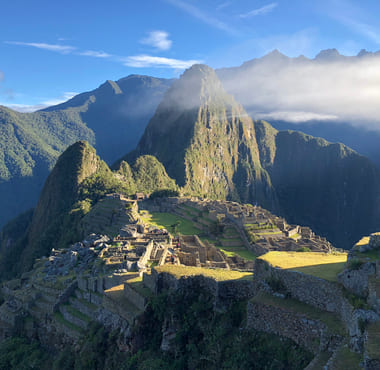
point(51, 50)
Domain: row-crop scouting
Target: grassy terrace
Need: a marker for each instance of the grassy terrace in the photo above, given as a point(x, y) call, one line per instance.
point(373, 255)
point(362, 241)
point(59, 317)
point(138, 285)
point(322, 265)
point(217, 274)
point(240, 251)
point(165, 220)
point(331, 320)
point(345, 359)
point(186, 227)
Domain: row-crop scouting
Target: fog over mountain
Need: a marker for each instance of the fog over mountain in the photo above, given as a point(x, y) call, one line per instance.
point(330, 87)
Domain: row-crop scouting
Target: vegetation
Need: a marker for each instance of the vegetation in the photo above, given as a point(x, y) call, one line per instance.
point(322, 265)
point(30, 143)
point(217, 274)
point(23, 354)
point(345, 359)
point(166, 220)
point(354, 264)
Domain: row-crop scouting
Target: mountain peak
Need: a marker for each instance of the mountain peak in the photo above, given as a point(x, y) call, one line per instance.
point(195, 86)
point(275, 55)
point(328, 54)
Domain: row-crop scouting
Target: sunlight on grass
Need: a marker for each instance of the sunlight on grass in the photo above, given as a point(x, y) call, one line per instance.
point(217, 274)
point(362, 241)
point(242, 252)
point(323, 265)
point(165, 220)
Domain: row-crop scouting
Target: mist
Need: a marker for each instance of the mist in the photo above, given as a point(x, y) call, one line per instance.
point(328, 88)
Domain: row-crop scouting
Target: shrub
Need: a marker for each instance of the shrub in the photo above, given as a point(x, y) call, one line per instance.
point(304, 249)
point(354, 264)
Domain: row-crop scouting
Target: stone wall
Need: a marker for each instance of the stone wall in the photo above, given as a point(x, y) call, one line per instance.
point(223, 292)
point(320, 293)
point(68, 316)
point(150, 280)
point(310, 334)
point(65, 295)
point(134, 297)
point(356, 281)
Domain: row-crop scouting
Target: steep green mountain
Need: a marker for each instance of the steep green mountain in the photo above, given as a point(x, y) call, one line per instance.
point(290, 90)
point(206, 141)
point(327, 186)
point(211, 147)
point(78, 180)
point(111, 117)
point(118, 112)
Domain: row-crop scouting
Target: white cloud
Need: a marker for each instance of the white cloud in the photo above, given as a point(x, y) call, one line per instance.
point(202, 16)
point(346, 89)
point(1, 76)
point(95, 54)
point(260, 11)
point(137, 61)
point(144, 61)
point(294, 116)
point(158, 39)
point(63, 49)
point(26, 108)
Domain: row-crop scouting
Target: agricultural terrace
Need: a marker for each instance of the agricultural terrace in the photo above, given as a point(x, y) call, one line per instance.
point(323, 265)
point(166, 220)
point(186, 227)
point(217, 274)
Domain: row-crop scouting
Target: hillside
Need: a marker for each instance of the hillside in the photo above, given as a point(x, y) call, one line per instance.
point(150, 298)
point(77, 182)
point(30, 143)
point(111, 117)
point(206, 141)
point(326, 186)
point(295, 94)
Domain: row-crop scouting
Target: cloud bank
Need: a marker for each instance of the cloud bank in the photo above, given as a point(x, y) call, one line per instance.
point(25, 108)
point(300, 89)
point(143, 61)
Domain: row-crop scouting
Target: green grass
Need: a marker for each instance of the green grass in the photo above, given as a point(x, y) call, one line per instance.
point(345, 359)
point(231, 240)
point(362, 241)
point(59, 317)
point(242, 252)
point(295, 236)
point(139, 287)
point(217, 274)
point(323, 357)
point(192, 210)
point(73, 311)
point(331, 320)
point(322, 265)
point(165, 220)
point(373, 254)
